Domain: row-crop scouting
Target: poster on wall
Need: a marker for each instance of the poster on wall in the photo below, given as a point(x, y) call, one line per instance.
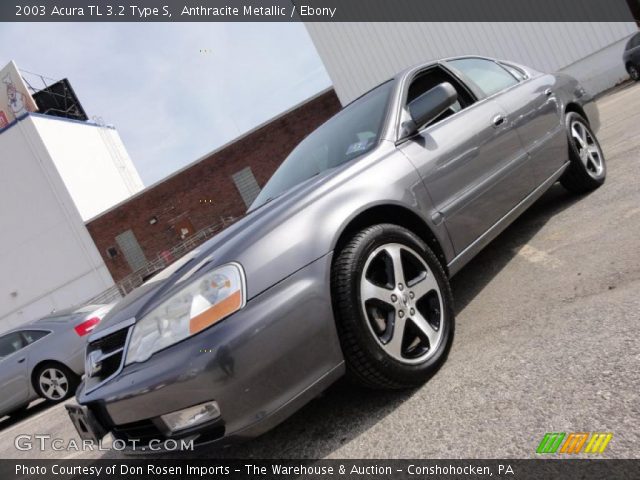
point(15, 99)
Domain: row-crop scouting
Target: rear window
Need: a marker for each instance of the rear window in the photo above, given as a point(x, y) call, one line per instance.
point(515, 71)
point(88, 308)
point(69, 317)
point(489, 76)
point(32, 335)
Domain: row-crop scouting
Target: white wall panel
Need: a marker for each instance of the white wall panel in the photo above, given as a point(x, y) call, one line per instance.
point(92, 162)
point(358, 56)
point(47, 257)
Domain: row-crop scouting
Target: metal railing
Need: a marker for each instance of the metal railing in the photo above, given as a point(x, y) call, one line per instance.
point(162, 261)
point(110, 295)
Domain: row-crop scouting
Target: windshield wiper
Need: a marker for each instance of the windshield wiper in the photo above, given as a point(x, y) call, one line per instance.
point(286, 190)
point(264, 203)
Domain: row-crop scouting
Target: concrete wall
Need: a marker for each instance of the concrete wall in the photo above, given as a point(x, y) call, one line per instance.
point(47, 258)
point(92, 162)
point(602, 69)
point(359, 56)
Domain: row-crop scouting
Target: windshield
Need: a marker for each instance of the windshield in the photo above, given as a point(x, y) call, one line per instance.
point(351, 133)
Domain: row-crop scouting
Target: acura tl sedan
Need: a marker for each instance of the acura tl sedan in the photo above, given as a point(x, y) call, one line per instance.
point(343, 261)
point(45, 358)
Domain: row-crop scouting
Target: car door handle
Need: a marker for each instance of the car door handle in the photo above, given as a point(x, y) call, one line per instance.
point(548, 92)
point(499, 120)
point(21, 360)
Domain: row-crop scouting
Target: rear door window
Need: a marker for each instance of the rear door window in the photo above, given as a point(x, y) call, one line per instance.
point(31, 336)
point(11, 343)
point(487, 75)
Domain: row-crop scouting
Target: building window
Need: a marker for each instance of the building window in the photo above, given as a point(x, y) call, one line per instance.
point(130, 248)
point(112, 252)
point(246, 185)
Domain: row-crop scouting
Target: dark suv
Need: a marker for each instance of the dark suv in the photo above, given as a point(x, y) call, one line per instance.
point(631, 57)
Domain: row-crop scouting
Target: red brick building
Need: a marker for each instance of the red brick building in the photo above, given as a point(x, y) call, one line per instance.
point(176, 214)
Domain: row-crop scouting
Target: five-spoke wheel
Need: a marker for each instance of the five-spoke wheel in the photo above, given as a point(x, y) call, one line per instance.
point(393, 306)
point(587, 168)
point(588, 149)
point(401, 300)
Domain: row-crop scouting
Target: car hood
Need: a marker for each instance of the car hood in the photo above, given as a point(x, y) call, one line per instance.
point(232, 244)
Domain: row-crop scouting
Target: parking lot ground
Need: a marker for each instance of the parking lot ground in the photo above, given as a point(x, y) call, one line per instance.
point(548, 317)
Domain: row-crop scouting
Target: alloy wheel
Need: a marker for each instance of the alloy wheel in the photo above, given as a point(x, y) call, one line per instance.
point(54, 384)
point(402, 303)
point(588, 149)
point(633, 72)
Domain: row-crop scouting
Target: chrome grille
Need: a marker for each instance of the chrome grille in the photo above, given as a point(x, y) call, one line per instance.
point(106, 354)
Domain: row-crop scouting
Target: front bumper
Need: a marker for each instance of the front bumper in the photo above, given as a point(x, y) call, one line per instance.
point(260, 365)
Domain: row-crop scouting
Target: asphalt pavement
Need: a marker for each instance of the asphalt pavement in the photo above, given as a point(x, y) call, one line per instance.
point(548, 319)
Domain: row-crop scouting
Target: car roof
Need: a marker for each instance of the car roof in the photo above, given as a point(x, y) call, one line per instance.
point(53, 320)
point(420, 66)
point(72, 310)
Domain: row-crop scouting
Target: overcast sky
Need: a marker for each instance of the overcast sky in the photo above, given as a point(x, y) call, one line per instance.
point(174, 91)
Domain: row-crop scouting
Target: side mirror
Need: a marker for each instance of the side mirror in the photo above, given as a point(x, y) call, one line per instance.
point(430, 105)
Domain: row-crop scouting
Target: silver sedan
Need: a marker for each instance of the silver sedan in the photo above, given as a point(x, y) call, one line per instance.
point(45, 358)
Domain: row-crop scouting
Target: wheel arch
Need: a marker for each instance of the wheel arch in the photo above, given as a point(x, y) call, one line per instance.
point(397, 215)
point(576, 108)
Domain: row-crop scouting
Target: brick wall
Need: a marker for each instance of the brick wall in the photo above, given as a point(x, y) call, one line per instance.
point(204, 193)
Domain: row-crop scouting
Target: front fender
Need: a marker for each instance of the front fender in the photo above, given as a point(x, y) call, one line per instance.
point(571, 92)
point(307, 224)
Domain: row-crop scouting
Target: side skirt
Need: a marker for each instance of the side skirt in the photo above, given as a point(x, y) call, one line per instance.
point(472, 250)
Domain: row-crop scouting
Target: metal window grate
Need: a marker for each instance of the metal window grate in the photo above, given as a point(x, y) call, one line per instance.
point(131, 250)
point(246, 185)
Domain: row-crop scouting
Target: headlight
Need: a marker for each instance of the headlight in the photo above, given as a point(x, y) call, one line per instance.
point(199, 305)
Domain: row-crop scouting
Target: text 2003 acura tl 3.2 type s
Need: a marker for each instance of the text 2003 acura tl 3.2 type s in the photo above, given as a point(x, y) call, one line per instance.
point(342, 263)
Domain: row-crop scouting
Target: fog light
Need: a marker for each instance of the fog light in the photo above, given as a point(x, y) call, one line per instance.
point(192, 416)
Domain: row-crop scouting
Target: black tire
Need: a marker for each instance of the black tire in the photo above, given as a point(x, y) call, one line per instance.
point(368, 364)
point(634, 71)
point(578, 178)
point(71, 382)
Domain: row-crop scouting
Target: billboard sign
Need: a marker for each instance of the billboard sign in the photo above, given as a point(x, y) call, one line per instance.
point(15, 99)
